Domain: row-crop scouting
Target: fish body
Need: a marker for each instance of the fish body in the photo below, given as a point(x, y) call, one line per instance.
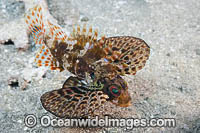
point(98, 65)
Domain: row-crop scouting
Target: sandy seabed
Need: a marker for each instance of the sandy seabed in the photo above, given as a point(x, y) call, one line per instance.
point(167, 87)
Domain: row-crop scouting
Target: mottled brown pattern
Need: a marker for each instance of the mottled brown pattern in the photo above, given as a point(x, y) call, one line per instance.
point(73, 102)
point(128, 54)
point(82, 101)
point(97, 65)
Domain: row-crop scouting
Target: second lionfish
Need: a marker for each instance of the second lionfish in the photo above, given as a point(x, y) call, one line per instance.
point(97, 65)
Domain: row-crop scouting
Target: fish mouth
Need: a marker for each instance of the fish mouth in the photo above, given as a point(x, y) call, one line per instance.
point(124, 100)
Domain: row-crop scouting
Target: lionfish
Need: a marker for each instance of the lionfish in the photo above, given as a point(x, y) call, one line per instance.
point(97, 64)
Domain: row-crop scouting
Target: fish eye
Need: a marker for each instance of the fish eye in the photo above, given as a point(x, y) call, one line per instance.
point(115, 90)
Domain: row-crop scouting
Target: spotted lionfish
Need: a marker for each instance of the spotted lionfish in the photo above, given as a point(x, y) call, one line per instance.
point(97, 64)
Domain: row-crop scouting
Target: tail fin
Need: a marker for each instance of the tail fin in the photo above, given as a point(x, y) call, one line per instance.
point(35, 22)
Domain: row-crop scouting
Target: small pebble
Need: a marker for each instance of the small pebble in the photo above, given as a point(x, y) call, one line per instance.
point(84, 19)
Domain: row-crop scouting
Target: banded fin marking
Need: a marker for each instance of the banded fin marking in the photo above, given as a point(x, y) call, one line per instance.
point(35, 23)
